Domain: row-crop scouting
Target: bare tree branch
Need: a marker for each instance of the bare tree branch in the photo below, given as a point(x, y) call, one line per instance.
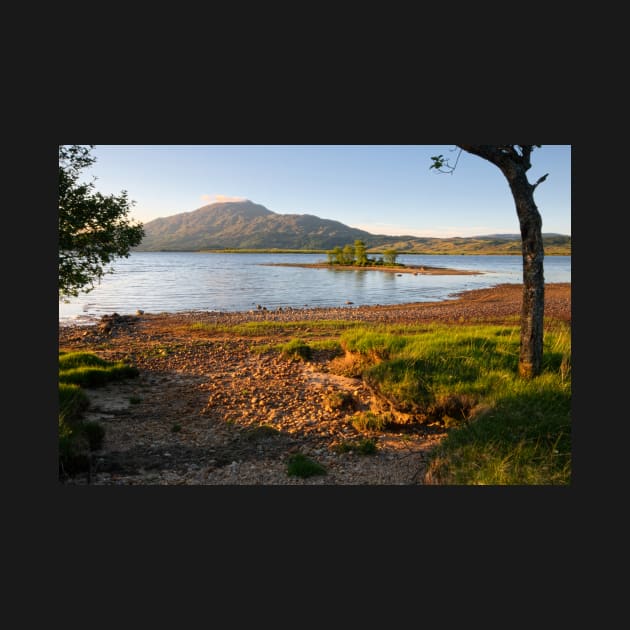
point(526, 149)
point(508, 149)
point(540, 180)
point(440, 163)
point(491, 152)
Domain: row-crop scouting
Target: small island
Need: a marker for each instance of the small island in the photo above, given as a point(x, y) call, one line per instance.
point(355, 257)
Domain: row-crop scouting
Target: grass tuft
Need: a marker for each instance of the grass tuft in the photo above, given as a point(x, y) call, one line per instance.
point(72, 402)
point(301, 466)
point(70, 360)
point(297, 349)
point(95, 376)
point(338, 400)
point(261, 431)
point(365, 446)
point(78, 438)
point(369, 421)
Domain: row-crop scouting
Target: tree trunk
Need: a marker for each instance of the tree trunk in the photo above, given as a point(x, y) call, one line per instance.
point(533, 307)
point(514, 166)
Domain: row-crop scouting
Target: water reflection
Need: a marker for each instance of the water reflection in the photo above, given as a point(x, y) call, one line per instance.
point(180, 281)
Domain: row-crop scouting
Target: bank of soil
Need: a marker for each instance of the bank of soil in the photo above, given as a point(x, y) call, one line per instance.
point(210, 408)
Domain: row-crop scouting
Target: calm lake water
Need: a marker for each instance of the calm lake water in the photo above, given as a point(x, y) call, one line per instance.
point(185, 281)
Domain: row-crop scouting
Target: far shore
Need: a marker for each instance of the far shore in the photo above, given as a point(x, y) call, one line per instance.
point(414, 269)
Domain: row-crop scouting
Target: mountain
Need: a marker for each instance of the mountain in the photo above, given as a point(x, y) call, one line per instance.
point(248, 225)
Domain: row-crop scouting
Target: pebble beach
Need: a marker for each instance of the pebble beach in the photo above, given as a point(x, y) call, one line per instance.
point(209, 409)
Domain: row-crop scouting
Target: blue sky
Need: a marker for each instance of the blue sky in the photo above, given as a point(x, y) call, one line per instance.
point(384, 189)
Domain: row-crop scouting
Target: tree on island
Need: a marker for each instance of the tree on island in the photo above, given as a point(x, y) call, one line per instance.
point(347, 256)
point(389, 256)
point(360, 253)
point(356, 256)
point(93, 228)
point(514, 161)
point(335, 256)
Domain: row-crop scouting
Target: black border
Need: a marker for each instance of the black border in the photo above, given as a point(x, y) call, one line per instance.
point(426, 523)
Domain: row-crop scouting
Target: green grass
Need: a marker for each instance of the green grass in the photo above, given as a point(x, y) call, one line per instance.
point(72, 401)
point(301, 466)
point(78, 438)
point(72, 360)
point(373, 344)
point(96, 376)
point(524, 439)
point(260, 432)
point(365, 446)
point(328, 345)
point(338, 400)
point(369, 421)
point(331, 346)
point(502, 429)
point(297, 349)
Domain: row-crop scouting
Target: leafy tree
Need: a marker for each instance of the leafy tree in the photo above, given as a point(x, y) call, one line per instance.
point(93, 228)
point(335, 256)
point(514, 161)
point(389, 256)
point(348, 254)
point(360, 253)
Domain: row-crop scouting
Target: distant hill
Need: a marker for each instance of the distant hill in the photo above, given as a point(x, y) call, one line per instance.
point(554, 245)
point(517, 237)
point(247, 225)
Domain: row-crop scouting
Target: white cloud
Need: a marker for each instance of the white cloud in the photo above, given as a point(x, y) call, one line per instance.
point(215, 198)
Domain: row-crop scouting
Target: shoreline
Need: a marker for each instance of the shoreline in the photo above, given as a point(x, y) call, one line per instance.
point(502, 300)
point(416, 270)
point(209, 409)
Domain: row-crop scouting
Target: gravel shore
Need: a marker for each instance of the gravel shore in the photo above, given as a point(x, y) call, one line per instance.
point(208, 409)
